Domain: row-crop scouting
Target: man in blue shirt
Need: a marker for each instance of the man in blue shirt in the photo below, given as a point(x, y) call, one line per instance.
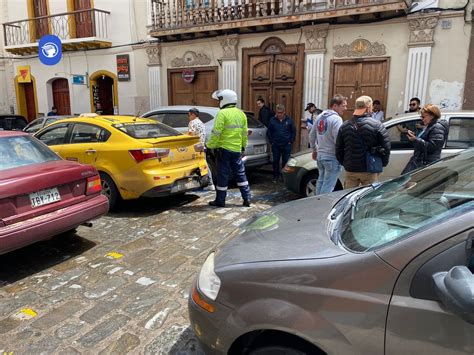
point(53, 112)
point(281, 133)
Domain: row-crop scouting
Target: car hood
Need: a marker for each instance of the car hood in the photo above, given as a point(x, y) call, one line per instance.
point(291, 231)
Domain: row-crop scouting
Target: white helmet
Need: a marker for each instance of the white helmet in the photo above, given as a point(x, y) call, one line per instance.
point(225, 97)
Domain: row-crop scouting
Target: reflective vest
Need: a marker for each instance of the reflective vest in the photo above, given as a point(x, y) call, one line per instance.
point(230, 130)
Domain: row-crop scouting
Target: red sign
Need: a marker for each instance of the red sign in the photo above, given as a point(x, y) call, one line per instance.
point(187, 75)
point(123, 67)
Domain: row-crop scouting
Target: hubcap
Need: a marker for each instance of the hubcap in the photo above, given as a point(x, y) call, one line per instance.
point(311, 187)
point(106, 189)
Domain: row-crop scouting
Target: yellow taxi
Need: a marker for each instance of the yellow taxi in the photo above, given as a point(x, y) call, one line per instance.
point(134, 156)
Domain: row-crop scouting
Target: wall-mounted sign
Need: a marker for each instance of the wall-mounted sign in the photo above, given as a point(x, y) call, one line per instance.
point(23, 73)
point(123, 67)
point(79, 79)
point(187, 75)
point(50, 50)
point(95, 94)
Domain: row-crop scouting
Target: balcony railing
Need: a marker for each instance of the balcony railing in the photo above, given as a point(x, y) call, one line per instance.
point(75, 26)
point(169, 15)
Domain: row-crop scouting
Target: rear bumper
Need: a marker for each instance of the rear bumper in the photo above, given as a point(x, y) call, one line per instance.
point(170, 189)
point(23, 233)
point(253, 161)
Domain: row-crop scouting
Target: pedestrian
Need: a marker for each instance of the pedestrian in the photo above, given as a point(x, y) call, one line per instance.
point(359, 140)
point(414, 105)
point(53, 112)
point(229, 139)
point(377, 112)
point(411, 126)
point(314, 112)
point(281, 134)
point(197, 128)
point(430, 141)
point(264, 113)
point(322, 139)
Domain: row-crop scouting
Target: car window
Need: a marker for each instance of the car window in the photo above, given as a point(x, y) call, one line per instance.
point(398, 137)
point(461, 132)
point(34, 126)
point(23, 150)
point(50, 120)
point(252, 122)
point(146, 130)
point(176, 119)
point(54, 135)
point(399, 207)
point(87, 133)
point(157, 117)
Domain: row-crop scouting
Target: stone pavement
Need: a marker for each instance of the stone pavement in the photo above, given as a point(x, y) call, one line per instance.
point(122, 285)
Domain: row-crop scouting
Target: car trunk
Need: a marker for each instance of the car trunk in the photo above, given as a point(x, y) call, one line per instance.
point(30, 191)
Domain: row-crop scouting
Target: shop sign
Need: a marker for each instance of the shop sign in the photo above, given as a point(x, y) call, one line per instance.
point(187, 75)
point(50, 50)
point(79, 79)
point(123, 67)
point(95, 94)
point(23, 73)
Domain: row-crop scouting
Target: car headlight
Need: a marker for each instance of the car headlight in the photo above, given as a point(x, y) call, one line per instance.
point(292, 162)
point(208, 282)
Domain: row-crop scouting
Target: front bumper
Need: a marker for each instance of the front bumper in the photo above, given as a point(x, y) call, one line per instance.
point(27, 232)
point(292, 177)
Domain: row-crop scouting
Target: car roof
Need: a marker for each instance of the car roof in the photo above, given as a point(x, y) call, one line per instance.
point(106, 120)
point(411, 115)
point(206, 109)
point(12, 133)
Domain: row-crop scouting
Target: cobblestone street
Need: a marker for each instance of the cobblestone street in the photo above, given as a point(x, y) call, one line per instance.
point(122, 285)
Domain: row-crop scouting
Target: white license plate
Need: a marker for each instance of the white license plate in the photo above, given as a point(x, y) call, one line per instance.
point(259, 149)
point(44, 197)
point(185, 185)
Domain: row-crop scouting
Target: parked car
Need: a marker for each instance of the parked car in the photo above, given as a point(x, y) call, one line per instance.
point(382, 269)
point(35, 125)
point(135, 156)
point(42, 195)
point(12, 122)
point(301, 172)
point(257, 152)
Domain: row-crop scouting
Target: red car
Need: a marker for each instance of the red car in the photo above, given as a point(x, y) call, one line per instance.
point(42, 195)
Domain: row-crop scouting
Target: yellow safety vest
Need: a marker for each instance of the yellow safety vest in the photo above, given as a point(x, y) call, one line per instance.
point(230, 130)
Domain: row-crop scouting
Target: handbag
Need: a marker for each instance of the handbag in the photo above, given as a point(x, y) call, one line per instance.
point(373, 161)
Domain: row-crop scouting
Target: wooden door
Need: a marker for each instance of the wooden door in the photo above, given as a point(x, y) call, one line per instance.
point(274, 72)
point(84, 20)
point(30, 101)
point(61, 96)
point(361, 77)
point(41, 25)
point(196, 93)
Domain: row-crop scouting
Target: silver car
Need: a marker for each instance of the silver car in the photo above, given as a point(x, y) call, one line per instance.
point(381, 269)
point(257, 152)
point(35, 125)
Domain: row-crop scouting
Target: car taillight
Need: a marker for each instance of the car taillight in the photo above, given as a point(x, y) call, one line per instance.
point(151, 153)
point(199, 147)
point(93, 185)
point(249, 132)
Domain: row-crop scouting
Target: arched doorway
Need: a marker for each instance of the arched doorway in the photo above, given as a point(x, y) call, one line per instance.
point(104, 95)
point(61, 96)
point(26, 99)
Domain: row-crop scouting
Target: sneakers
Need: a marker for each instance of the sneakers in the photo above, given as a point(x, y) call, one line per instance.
point(246, 203)
point(215, 204)
point(210, 188)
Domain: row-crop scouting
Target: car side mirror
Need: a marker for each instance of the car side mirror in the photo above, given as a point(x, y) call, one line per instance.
point(455, 289)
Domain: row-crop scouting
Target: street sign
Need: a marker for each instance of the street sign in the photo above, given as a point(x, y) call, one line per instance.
point(187, 75)
point(50, 50)
point(79, 79)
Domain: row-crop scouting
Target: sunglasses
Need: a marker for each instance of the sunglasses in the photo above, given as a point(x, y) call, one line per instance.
point(412, 104)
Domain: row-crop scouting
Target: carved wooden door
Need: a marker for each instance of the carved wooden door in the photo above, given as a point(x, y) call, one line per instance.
point(198, 92)
point(361, 77)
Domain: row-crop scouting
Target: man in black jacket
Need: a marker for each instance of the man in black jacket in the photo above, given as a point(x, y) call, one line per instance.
point(356, 137)
point(264, 113)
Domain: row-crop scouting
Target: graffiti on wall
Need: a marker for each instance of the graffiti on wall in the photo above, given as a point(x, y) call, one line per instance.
point(447, 95)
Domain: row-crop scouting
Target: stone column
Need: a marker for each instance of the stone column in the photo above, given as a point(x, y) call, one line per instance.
point(229, 63)
point(422, 29)
point(154, 75)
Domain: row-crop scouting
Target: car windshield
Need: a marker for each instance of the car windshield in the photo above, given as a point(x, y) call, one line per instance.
point(23, 150)
point(399, 207)
point(146, 130)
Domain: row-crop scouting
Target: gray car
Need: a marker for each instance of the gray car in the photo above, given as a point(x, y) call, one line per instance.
point(35, 125)
point(257, 152)
point(386, 268)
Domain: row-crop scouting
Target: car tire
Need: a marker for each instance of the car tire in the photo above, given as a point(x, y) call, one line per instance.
point(308, 185)
point(276, 350)
point(109, 189)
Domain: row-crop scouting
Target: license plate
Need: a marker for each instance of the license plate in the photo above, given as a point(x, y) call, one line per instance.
point(44, 197)
point(182, 185)
point(259, 149)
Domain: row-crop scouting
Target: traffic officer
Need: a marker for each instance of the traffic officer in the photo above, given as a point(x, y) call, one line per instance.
point(229, 139)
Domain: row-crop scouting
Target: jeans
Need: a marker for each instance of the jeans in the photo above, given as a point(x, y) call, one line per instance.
point(329, 169)
point(282, 152)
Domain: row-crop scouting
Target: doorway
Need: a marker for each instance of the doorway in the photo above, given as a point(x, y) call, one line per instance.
point(83, 20)
point(104, 93)
point(26, 99)
point(40, 9)
point(194, 91)
point(353, 78)
point(61, 98)
point(274, 71)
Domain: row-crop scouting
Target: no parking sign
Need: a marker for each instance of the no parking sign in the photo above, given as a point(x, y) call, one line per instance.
point(50, 50)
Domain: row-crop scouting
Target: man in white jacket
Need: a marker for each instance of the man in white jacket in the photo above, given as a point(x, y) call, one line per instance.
point(322, 139)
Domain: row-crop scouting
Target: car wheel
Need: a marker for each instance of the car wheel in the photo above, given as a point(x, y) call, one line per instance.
point(109, 189)
point(276, 350)
point(308, 186)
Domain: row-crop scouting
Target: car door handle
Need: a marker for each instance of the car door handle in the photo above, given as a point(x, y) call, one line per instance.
point(91, 151)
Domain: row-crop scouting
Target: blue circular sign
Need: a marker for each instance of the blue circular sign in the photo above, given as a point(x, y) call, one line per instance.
point(50, 50)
